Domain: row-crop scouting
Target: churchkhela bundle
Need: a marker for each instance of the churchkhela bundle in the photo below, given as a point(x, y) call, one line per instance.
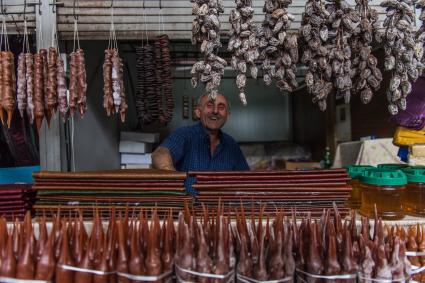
point(209, 247)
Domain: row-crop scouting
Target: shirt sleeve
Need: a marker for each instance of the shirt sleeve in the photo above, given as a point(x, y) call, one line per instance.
point(176, 143)
point(241, 164)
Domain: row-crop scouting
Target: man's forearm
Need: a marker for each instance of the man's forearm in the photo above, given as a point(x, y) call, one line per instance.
point(161, 159)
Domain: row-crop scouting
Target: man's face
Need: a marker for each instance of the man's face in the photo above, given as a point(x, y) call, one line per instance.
point(213, 114)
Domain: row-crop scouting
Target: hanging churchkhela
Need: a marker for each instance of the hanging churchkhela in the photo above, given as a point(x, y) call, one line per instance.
point(146, 99)
point(314, 39)
point(25, 80)
point(206, 32)
point(403, 54)
point(164, 83)
point(21, 92)
point(113, 81)
point(368, 77)
point(243, 44)
point(61, 88)
point(38, 89)
point(8, 82)
point(278, 46)
point(77, 77)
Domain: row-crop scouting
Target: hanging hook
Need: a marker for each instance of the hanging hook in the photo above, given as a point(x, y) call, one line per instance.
point(25, 10)
point(54, 7)
point(75, 15)
point(2, 9)
point(143, 4)
point(39, 7)
point(160, 4)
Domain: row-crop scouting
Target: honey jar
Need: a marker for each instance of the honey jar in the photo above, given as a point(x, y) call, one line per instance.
point(414, 195)
point(355, 171)
point(383, 188)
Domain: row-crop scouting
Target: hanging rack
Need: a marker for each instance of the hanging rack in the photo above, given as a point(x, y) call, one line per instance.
point(55, 4)
point(39, 7)
point(3, 11)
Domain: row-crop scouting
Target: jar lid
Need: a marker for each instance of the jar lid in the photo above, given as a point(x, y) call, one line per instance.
point(381, 177)
point(415, 174)
point(356, 171)
point(392, 166)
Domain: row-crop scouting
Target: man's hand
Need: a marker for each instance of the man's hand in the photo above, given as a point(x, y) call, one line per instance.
point(161, 159)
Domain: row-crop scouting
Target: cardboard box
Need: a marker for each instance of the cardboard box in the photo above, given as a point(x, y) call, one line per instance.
point(299, 165)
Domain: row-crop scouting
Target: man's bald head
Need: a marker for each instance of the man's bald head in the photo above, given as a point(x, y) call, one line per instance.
point(213, 114)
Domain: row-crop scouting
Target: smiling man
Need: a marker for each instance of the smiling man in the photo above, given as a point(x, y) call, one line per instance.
point(204, 146)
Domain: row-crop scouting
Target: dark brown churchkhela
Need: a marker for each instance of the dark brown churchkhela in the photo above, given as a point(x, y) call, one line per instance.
point(38, 90)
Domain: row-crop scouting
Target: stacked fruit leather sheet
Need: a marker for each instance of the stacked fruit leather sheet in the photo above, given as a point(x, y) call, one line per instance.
point(131, 189)
point(15, 199)
point(305, 191)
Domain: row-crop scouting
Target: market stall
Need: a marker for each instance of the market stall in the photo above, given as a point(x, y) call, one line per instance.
point(91, 88)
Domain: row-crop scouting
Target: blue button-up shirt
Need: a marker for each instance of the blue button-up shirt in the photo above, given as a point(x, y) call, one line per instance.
point(190, 150)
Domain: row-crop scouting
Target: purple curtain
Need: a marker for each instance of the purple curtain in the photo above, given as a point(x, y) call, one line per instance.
point(414, 116)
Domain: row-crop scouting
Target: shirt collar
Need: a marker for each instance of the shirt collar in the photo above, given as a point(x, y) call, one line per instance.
point(200, 128)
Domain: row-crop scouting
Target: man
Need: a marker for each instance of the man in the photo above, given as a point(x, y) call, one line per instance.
point(202, 147)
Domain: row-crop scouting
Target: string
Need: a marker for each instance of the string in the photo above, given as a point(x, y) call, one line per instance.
point(143, 43)
point(162, 22)
point(1, 36)
point(25, 36)
point(6, 40)
point(111, 27)
point(76, 35)
point(57, 40)
point(146, 26)
point(40, 37)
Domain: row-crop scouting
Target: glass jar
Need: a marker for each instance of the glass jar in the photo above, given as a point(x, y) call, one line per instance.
point(355, 171)
point(384, 189)
point(414, 195)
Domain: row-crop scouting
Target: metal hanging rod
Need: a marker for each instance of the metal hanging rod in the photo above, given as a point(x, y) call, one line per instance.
point(38, 3)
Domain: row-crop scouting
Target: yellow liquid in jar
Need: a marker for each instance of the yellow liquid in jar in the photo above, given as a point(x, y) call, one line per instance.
point(355, 199)
point(388, 200)
point(414, 199)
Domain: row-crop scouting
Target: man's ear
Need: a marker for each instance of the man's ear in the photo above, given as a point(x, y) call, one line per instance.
point(198, 113)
